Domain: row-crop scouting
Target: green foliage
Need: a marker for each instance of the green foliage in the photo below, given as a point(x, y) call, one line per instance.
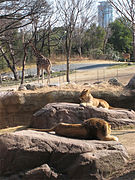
point(94, 37)
point(57, 40)
point(121, 37)
point(111, 53)
point(96, 53)
point(3, 64)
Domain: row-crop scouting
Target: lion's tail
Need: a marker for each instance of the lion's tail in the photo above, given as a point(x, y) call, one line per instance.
point(110, 107)
point(42, 130)
point(114, 108)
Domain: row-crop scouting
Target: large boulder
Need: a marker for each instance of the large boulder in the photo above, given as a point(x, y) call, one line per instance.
point(31, 155)
point(131, 83)
point(53, 113)
point(17, 108)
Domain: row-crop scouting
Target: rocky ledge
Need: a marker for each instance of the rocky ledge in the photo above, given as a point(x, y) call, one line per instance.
point(27, 154)
point(53, 113)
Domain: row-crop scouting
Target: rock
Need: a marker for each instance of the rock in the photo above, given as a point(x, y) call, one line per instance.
point(86, 84)
point(34, 86)
point(98, 82)
point(17, 108)
point(11, 97)
point(31, 155)
point(114, 82)
point(53, 113)
point(131, 83)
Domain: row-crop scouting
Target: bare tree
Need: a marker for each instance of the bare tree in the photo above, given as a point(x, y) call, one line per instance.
point(106, 37)
point(85, 21)
point(8, 53)
point(126, 9)
point(25, 45)
point(69, 12)
point(42, 31)
point(15, 15)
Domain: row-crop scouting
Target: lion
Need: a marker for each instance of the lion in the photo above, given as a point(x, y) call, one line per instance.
point(87, 99)
point(93, 128)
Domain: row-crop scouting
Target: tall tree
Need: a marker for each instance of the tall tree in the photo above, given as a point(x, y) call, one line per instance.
point(126, 8)
point(121, 37)
point(69, 12)
point(94, 38)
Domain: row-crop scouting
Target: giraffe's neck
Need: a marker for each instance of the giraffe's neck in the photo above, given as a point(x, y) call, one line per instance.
point(36, 53)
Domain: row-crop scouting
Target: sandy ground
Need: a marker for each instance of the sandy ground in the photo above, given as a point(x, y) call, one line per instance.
point(127, 139)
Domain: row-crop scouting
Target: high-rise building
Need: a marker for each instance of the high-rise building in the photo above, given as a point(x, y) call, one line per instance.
point(105, 14)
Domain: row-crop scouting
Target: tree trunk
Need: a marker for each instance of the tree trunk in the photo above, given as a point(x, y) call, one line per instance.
point(0, 79)
point(48, 47)
point(67, 57)
point(134, 42)
point(68, 53)
point(80, 47)
point(48, 39)
point(24, 58)
point(23, 66)
point(12, 68)
point(15, 73)
point(68, 69)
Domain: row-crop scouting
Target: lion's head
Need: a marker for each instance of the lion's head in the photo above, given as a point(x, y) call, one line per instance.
point(85, 95)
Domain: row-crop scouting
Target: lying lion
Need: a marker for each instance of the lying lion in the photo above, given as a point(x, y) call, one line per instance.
point(93, 128)
point(87, 99)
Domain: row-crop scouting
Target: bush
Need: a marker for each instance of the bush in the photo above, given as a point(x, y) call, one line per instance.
point(96, 53)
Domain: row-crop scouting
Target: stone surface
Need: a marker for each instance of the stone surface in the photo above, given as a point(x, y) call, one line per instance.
point(34, 86)
point(27, 154)
point(114, 82)
point(53, 113)
point(17, 108)
point(131, 83)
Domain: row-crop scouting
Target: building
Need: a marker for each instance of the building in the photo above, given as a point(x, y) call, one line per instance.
point(105, 14)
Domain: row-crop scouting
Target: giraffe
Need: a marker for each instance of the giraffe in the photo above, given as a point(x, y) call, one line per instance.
point(126, 56)
point(43, 63)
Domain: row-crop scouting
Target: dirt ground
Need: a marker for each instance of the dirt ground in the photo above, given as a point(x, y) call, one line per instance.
point(127, 139)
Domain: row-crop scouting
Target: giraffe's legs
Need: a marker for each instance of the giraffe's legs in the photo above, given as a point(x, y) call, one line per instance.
point(48, 79)
point(48, 75)
point(42, 76)
point(38, 73)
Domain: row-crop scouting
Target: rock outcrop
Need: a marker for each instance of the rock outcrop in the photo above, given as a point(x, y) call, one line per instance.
point(131, 83)
point(114, 82)
point(17, 108)
point(53, 113)
point(31, 155)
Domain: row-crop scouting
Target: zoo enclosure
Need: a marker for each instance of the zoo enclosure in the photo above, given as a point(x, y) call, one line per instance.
point(84, 76)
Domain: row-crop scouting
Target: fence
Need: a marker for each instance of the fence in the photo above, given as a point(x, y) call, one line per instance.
point(101, 74)
point(86, 76)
